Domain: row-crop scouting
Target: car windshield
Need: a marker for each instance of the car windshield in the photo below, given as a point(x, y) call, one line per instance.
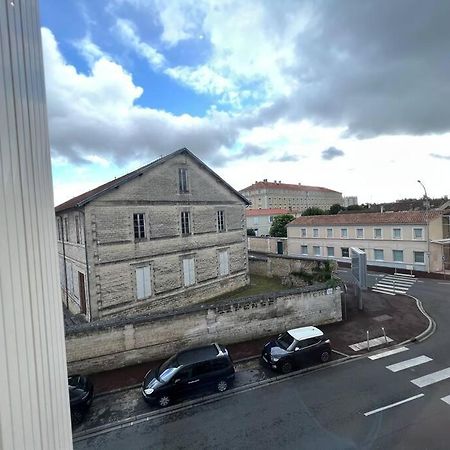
point(167, 369)
point(285, 340)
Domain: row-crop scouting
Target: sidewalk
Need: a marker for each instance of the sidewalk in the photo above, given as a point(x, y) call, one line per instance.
point(398, 315)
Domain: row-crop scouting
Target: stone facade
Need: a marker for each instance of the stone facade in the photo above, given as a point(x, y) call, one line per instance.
point(110, 344)
point(115, 256)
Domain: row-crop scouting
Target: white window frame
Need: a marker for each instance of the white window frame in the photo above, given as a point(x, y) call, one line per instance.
point(220, 218)
point(381, 233)
point(315, 247)
point(224, 263)
point(329, 232)
point(362, 234)
point(303, 232)
point(394, 253)
point(375, 250)
point(315, 232)
point(348, 251)
point(342, 233)
point(188, 264)
point(139, 218)
point(328, 252)
point(416, 252)
point(183, 180)
point(143, 276)
point(183, 220)
point(421, 238)
point(393, 233)
point(301, 249)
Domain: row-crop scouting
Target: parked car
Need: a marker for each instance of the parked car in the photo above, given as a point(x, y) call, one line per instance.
point(81, 393)
point(187, 372)
point(295, 348)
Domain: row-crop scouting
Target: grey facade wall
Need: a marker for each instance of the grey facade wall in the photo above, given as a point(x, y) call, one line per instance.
point(112, 344)
point(267, 244)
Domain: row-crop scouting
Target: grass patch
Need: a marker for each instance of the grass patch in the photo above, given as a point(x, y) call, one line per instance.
point(258, 285)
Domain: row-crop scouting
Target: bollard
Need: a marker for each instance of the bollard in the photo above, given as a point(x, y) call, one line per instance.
point(384, 333)
point(368, 343)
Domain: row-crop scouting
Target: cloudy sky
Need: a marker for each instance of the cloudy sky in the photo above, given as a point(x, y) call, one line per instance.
point(351, 95)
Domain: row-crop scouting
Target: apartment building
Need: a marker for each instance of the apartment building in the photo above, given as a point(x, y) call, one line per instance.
point(293, 197)
point(169, 234)
point(260, 220)
point(413, 240)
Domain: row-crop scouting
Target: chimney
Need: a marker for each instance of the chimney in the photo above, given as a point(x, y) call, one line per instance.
point(265, 180)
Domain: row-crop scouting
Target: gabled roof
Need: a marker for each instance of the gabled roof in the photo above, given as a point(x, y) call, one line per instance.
point(286, 186)
point(88, 196)
point(386, 218)
point(266, 212)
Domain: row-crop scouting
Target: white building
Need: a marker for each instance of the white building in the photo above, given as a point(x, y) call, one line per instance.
point(416, 240)
point(260, 220)
point(350, 201)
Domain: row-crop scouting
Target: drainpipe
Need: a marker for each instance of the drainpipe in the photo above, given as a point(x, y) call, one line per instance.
point(64, 259)
point(87, 265)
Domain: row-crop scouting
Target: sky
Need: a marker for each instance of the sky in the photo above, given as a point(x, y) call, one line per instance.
point(351, 95)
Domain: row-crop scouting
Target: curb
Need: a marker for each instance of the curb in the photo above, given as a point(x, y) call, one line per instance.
point(158, 413)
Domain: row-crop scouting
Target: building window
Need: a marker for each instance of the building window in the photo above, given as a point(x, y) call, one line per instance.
point(397, 255)
point(185, 223)
point(344, 233)
point(188, 271)
point(360, 233)
point(417, 233)
point(345, 252)
point(304, 249)
point(143, 283)
point(329, 232)
point(316, 250)
point(66, 229)
point(315, 232)
point(377, 234)
point(220, 221)
point(330, 251)
point(419, 257)
point(139, 226)
point(183, 181)
point(378, 254)
point(396, 233)
point(303, 232)
point(224, 267)
point(77, 229)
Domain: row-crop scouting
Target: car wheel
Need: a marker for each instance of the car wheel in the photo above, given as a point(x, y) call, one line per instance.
point(77, 416)
point(325, 356)
point(164, 401)
point(222, 386)
point(286, 367)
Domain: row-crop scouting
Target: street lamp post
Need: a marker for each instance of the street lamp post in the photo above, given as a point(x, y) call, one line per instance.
point(427, 209)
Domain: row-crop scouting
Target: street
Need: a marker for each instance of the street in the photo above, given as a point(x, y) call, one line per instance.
point(337, 407)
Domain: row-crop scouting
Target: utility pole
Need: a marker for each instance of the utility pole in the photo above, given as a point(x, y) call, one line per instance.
point(426, 202)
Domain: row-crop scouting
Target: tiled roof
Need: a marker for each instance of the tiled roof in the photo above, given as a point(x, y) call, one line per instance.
point(266, 212)
point(284, 186)
point(397, 218)
point(82, 199)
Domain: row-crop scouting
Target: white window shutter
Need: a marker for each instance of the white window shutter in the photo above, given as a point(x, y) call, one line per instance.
point(147, 282)
point(223, 263)
point(140, 283)
point(186, 272)
point(192, 270)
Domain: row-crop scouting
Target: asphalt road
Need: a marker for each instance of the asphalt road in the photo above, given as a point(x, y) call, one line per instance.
point(324, 409)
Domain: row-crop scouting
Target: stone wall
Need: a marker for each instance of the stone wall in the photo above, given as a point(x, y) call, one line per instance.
point(115, 343)
point(267, 244)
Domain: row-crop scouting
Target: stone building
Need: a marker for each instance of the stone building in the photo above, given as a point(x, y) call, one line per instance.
point(294, 197)
point(169, 234)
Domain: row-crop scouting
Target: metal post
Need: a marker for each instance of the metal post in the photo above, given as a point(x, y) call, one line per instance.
point(427, 209)
point(360, 299)
point(384, 333)
point(368, 341)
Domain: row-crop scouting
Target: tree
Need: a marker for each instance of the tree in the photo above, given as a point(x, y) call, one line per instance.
point(313, 211)
point(336, 208)
point(278, 228)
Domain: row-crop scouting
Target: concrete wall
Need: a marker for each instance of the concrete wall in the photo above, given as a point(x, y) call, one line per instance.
point(266, 244)
point(106, 345)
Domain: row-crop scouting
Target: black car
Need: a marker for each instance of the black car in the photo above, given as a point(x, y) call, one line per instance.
point(187, 372)
point(81, 393)
point(295, 348)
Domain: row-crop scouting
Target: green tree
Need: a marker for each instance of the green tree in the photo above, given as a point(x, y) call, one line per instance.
point(336, 208)
point(313, 211)
point(278, 228)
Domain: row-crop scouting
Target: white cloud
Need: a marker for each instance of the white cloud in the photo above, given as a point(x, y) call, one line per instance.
point(127, 32)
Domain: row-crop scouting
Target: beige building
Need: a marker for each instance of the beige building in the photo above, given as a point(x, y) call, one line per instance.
point(400, 240)
point(260, 220)
point(294, 197)
point(169, 234)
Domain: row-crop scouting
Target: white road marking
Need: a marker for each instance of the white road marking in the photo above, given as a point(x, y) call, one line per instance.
point(446, 399)
point(432, 378)
point(382, 292)
point(420, 281)
point(440, 282)
point(408, 363)
point(388, 353)
point(372, 343)
point(404, 275)
point(393, 404)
